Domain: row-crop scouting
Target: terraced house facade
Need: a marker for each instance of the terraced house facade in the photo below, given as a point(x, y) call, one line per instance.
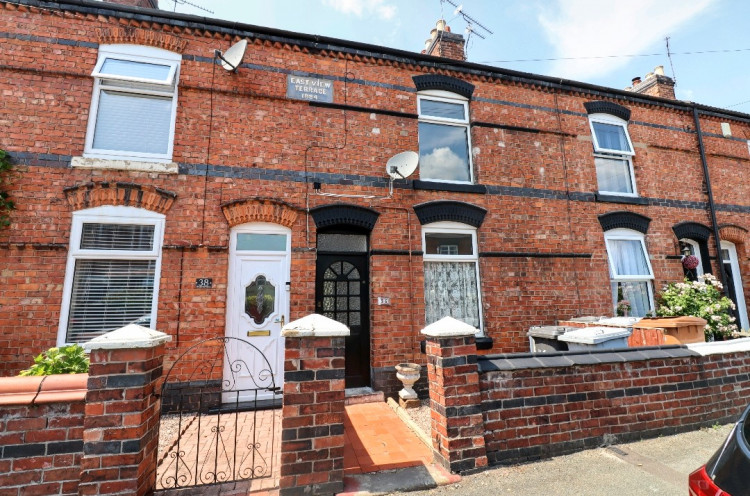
point(155, 186)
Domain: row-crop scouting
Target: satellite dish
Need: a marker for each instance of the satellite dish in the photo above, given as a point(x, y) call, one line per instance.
point(402, 165)
point(232, 58)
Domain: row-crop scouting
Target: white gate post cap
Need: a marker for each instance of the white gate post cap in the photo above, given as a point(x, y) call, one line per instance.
point(448, 327)
point(314, 325)
point(130, 336)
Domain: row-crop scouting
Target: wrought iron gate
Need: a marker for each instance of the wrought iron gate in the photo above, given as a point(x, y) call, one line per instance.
point(212, 430)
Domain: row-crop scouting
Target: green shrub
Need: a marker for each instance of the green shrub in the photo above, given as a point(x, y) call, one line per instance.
point(70, 359)
point(701, 298)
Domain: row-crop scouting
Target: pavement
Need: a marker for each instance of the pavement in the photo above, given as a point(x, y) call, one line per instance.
point(655, 466)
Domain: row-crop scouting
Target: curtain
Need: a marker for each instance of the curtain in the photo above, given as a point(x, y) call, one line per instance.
point(613, 175)
point(636, 292)
point(611, 137)
point(450, 289)
point(628, 257)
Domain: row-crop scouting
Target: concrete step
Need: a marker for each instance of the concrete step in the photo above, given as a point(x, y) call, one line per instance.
point(356, 396)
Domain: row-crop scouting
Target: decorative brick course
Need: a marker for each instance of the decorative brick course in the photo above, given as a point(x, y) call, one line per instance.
point(125, 194)
point(259, 210)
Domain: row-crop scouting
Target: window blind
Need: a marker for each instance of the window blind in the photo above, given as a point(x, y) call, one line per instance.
point(132, 122)
point(109, 294)
point(133, 237)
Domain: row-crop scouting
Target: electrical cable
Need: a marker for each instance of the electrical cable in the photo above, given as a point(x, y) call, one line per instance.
point(657, 54)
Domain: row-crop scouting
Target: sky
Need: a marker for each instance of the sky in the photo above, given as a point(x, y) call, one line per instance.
point(604, 42)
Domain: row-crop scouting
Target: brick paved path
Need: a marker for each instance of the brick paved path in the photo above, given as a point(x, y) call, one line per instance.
point(248, 448)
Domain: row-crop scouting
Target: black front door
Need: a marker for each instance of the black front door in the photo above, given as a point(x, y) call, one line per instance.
point(342, 294)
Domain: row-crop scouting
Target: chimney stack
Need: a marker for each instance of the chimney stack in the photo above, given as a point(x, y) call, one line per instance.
point(443, 43)
point(654, 84)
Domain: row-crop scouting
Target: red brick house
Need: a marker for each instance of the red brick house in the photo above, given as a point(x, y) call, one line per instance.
point(153, 185)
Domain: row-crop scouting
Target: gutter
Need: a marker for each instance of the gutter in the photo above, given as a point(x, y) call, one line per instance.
point(317, 43)
point(711, 205)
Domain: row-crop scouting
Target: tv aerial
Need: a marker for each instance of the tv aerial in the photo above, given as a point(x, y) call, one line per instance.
point(232, 58)
point(402, 165)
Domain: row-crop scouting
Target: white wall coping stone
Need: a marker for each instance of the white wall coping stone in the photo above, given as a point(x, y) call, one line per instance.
point(448, 327)
point(716, 347)
point(130, 336)
point(314, 325)
point(129, 165)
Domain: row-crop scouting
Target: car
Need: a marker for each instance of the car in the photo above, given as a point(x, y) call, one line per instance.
point(727, 472)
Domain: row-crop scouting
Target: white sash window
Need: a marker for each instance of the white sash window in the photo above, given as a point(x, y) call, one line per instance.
point(113, 271)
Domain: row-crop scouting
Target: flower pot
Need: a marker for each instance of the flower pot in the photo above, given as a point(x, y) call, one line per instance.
point(408, 374)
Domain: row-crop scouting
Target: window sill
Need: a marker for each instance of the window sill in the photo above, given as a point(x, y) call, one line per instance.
point(129, 165)
point(453, 187)
point(631, 200)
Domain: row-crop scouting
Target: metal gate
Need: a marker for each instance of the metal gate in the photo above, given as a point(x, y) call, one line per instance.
point(211, 431)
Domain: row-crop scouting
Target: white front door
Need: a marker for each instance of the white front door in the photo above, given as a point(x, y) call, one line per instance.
point(257, 308)
point(734, 282)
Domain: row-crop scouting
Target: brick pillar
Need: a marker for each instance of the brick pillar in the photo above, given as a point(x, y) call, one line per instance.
point(312, 425)
point(457, 424)
point(121, 427)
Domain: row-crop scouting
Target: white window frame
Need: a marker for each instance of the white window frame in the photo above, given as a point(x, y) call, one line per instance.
point(697, 253)
point(448, 227)
point(613, 121)
point(629, 162)
point(737, 280)
point(608, 153)
point(133, 53)
point(448, 97)
point(629, 235)
point(110, 215)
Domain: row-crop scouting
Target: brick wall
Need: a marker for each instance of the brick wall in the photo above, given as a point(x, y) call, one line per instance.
point(312, 436)
point(537, 405)
point(540, 406)
point(542, 254)
point(41, 434)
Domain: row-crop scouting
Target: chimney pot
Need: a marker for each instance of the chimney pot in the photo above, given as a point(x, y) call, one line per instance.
point(448, 28)
point(636, 80)
point(659, 70)
point(440, 25)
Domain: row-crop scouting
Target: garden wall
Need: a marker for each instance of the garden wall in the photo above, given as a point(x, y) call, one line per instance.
point(500, 409)
point(536, 406)
point(41, 434)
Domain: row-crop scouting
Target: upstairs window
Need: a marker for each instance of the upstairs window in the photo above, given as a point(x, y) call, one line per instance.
point(451, 273)
point(444, 138)
point(134, 103)
point(612, 155)
point(112, 277)
point(630, 271)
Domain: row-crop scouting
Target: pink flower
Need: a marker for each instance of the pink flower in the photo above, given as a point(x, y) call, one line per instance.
point(690, 262)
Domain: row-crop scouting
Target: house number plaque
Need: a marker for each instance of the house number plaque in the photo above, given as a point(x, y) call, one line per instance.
point(204, 283)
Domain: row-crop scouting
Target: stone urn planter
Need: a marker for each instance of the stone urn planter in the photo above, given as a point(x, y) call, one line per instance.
point(408, 374)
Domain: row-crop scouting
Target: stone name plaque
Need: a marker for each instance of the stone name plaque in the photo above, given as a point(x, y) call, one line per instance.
point(308, 88)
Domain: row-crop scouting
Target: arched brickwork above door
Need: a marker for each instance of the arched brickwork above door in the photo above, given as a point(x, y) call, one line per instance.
point(344, 215)
point(260, 210)
point(735, 234)
point(91, 195)
point(691, 230)
point(135, 36)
